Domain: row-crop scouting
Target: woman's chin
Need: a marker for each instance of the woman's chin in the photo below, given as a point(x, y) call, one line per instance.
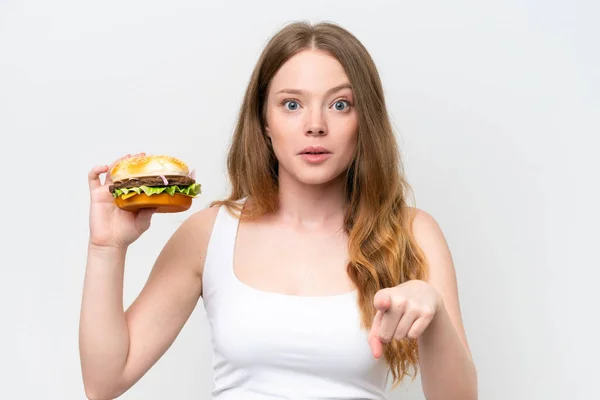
point(318, 178)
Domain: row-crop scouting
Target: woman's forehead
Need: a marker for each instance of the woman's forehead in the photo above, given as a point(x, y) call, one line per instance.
point(310, 71)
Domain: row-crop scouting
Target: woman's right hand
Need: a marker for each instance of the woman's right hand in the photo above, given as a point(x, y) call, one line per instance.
point(111, 227)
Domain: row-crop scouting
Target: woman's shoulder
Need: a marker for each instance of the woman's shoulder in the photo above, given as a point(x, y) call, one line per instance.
point(424, 227)
point(417, 218)
point(204, 217)
point(187, 247)
point(199, 224)
point(192, 236)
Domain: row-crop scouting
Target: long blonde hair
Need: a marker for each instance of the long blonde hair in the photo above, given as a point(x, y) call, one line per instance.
point(382, 251)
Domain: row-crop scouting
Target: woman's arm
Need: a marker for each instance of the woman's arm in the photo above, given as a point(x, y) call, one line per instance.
point(446, 364)
point(118, 347)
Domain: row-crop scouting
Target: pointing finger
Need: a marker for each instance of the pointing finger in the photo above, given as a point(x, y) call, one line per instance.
point(374, 342)
point(391, 314)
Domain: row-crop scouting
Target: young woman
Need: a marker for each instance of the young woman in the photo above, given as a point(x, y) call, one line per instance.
point(319, 280)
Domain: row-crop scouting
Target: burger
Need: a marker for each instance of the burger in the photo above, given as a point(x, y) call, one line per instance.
point(153, 181)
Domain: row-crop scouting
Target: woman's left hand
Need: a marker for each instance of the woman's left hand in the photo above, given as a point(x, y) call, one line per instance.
point(404, 311)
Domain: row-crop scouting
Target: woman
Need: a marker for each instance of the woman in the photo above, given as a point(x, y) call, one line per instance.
point(318, 279)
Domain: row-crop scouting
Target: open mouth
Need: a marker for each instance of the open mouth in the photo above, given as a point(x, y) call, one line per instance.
point(315, 155)
point(315, 151)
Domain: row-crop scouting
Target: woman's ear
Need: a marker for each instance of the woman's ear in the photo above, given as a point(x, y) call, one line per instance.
point(269, 139)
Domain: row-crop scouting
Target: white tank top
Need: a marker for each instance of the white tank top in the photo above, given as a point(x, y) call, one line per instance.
point(277, 346)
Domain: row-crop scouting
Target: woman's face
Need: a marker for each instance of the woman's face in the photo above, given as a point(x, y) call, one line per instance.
point(311, 119)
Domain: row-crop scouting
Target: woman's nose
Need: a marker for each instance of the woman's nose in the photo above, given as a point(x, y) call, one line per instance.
point(316, 130)
point(316, 125)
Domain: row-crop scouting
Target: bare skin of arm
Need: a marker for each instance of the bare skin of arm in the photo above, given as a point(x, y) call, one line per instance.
point(117, 346)
point(447, 368)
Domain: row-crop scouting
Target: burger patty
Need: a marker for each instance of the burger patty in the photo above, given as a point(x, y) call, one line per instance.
point(152, 181)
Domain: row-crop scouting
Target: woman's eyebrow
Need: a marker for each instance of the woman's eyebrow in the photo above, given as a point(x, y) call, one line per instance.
point(330, 91)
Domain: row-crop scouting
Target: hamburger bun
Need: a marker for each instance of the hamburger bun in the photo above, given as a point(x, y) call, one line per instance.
point(151, 165)
point(163, 202)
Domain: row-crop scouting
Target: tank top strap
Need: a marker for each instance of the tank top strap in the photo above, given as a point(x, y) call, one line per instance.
point(218, 265)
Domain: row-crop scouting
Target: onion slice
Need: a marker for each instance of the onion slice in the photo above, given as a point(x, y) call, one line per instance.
point(192, 174)
point(165, 181)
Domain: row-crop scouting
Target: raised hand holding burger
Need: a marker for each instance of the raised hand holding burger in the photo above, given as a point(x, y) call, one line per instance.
point(136, 187)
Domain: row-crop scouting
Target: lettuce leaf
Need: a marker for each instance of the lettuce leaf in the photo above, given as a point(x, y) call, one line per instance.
point(189, 190)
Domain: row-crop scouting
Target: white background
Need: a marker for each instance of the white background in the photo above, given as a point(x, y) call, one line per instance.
point(495, 104)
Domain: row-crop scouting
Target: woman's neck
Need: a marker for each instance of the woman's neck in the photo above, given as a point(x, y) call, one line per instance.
point(311, 206)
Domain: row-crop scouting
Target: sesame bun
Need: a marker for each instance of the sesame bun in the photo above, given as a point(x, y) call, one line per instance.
point(151, 165)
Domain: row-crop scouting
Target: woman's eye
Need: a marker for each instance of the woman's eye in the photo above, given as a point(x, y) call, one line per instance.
point(341, 105)
point(291, 105)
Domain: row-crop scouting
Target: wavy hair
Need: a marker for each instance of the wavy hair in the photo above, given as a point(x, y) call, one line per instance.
point(382, 251)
